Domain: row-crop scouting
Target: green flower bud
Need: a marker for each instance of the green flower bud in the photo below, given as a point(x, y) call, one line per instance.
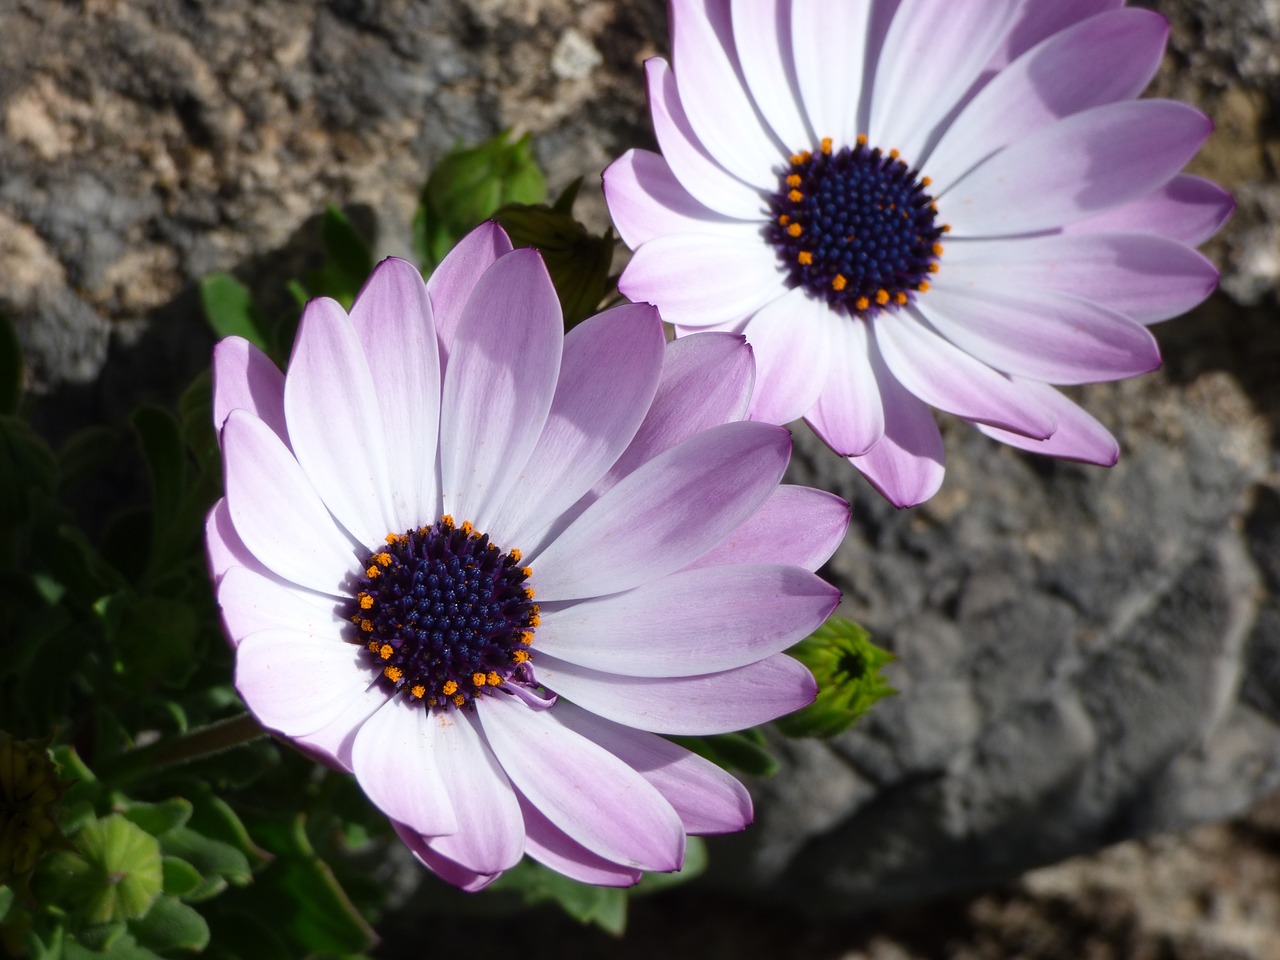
point(29, 793)
point(847, 666)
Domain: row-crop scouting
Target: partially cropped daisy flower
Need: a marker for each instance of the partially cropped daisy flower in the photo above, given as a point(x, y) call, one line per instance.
point(484, 565)
point(907, 204)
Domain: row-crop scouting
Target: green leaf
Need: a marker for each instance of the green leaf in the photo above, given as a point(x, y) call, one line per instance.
point(85, 454)
point(157, 818)
point(6, 901)
point(100, 937)
point(156, 640)
point(214, 818)
point(26, 465)
point(124, 947)
point(606, 907)
point(160, 440)
point(847, 666)
point(211, 858)
point(10, 367)
point(468, 185)
point(743, 751)
point(171, 925)
point(348, 259)
point(180, 877)
point(195, 417)
point(229, 308)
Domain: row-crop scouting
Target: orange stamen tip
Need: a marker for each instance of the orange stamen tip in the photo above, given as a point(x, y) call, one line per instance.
point(933, 268)
point(894, 154)
point(527, 571)
point(493, 679)
point(383, 558)
point(795, 196)
point(839, 283)
point(794, 180)
point(385, 651)
point(392, 538)
point(882, 297)
point(446, 520)
point(450, 688)
point(515, 556)
point(527, 637)
point(373, 646)
point(478, 679)
point(899, 298)
point(937, 249)
point(794, 230)
point(528, 593)
point(862, 303)
point(366, 626)
point(392, 673)
point(804, 257)
point(373, 571)
point(925, 181)
point(923, 286)
point(946, 228)
point(862, 139)
point(826, 144)
point(783, 220)
point(417, 690)
point(366, 601)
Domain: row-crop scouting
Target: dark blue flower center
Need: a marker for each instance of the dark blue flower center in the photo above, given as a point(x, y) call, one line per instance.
point(444, 615)
point(855, 227)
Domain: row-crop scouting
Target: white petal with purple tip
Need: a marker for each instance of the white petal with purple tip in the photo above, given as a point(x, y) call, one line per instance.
point(791, 346)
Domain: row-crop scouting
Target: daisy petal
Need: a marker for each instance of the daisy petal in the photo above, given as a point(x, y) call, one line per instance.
point(701, 280)
point(332, 743)
point(295, 682)
point(946, 377)
point(690, 161)
point(706, 799)
point(646, 201)
point(392, 317)
point(331, 405)
point(789, 339)
point(934, 50)
point(906, 466)
point(466, 880)
point(276, 512)
point(1036, 21)
point(832, 86)
point(245, 377)
point(695, 621)
point(1041, 334)
point(490, 835)
point(499, 384)
point(689, 706)
point(1078, 437)
point(608, 375)
point(223, 547)
point(587, 792)
point(666, 513)
point(250, 601)
point(1047, 84)
point(762, 38)
point(1147, 277)
point(849, 414)
point(396, 758)
point(451, 283)
point(796, 525)
point(1076, 168)
point(1186, 209)
point(714, 96)
point(552, 847)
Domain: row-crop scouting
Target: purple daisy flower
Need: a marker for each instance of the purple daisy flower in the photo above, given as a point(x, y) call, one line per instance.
point(483, 565)
point(907, 204)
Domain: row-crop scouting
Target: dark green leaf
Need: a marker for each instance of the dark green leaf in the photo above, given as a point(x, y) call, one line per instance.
point(10, 367)
point(348, 258)
point(26, 465)
point(156, 639)
point(211, 858)
point(214, 818)
point(606, 907)
point(847, 666)
point(171, 925)
point(124, 947)
point(160, 439)
point(6, 901)
point(157, 818)
point(180, 877)
point(85, 454)
point(101, 936)
point(229, 309)
point(577, 260)
point(744, 751)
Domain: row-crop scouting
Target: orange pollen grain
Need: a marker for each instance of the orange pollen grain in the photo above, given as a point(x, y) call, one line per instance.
point(392, 673)
point(882, 297)
point(366, 601)
point(516, 555)
point(526, 637)
point(839, 283)
point(794, 230)
point(933, 268)
point(862, 139)
point(373, 571)
point(925, 181)
point(783, 220)
point(794, 180)
point(373, 646)
point(862, 303)
point(899, 298)
point(384, 559)
point(459, 699)
point(826, 145)
point(493, 679)
point(385, 651)
point(478, 679)
point(894, 154)
point(937, 249)
point(923, 286)
point(418, 690)
point(520, 656)
point(366, 626)
point(946, 228)
point(392, 538)
point(450, 688)
point(528, 593)
point(805, 257)
point(527, 571)
point(795, 196)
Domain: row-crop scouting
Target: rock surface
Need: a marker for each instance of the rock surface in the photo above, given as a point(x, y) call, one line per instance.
point(1085, 655)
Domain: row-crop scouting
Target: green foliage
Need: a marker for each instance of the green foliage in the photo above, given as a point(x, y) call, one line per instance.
point(744, 751)
point(468, 185)
point(847, 667)
point(229, 310)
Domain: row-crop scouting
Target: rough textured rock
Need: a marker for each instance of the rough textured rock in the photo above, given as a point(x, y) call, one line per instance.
point(1085, 655)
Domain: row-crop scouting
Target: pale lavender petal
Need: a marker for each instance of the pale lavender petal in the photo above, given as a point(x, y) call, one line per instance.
point(1144, 276)
point(829, 43)
point(396, 761)
point(934, 50)
point(250, 601)
point(796, 525)
point(946, 377)
point(466, 880)
point(689, 706)
point(713, 93)
point(762, 37)
point(276, 512)
point(665, 514)
point(490, 835)
point(332, 743)
point(646, 201)
point(583, 789)
point(906, 466)
point(1036, 21)
point(392, 318)
point(335, 425)
point(1078, 437)
point(1186, 209)
point(1076, 168)
point(789, 339)
point(706, 799)
point(1048, 84)
point(246, 378)
point(499, 384)
point(552, 847)
point(451, 283)
point(295, 682)
point(849, 414)
point(223, 547)
point(1040, 333)
point(691, 622)
point(690, 161)
point(697, 280)
point(608, 375)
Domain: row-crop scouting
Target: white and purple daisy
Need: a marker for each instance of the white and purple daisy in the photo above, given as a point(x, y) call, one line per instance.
point(484, 565)
point(907, 204)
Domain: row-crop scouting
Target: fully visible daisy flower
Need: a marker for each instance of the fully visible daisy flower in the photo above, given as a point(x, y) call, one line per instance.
point(484, 565)
point(907, 204)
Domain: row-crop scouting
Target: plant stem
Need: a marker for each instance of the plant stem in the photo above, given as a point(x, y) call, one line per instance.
point(193, 745)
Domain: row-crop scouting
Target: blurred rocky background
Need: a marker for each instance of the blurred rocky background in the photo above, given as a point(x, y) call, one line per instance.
point(1088, 658)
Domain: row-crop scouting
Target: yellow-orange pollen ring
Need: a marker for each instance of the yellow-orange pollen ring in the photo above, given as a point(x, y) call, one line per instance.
point(810, 251)
point(433, 554)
